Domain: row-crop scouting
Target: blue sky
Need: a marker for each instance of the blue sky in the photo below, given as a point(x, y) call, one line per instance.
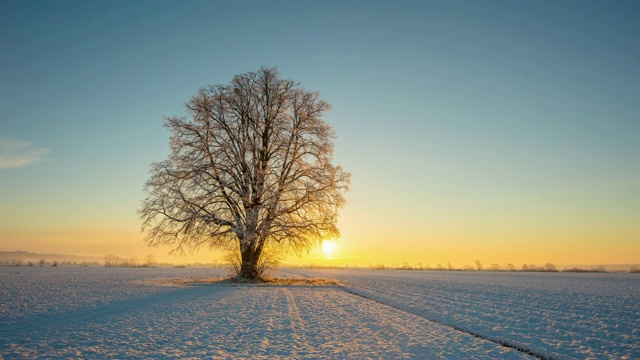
point(466, 124)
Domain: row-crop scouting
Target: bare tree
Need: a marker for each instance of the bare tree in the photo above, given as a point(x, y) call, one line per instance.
point(149, 260)
point(479, 265)
point(550, 267)
point(111, 260)
point(251, 167)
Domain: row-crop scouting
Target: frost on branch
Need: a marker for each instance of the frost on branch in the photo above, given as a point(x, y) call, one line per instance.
point(250, 167)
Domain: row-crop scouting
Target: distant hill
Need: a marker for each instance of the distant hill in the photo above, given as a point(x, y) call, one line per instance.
point(31, 256)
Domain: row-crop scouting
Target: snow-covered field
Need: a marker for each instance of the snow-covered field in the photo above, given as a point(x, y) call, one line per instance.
point(553, 315)
point(132, 313)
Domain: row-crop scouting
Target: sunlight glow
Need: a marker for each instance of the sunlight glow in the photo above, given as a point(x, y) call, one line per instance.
point(328, 247)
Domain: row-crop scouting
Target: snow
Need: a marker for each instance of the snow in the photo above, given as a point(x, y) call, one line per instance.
point(133, 313)
point(553, 315)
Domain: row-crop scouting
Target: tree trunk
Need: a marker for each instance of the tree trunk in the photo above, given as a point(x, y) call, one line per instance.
point(249, 268)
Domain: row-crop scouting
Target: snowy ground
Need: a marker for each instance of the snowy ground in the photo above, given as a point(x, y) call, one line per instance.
point(553, 315)
point(130, 313)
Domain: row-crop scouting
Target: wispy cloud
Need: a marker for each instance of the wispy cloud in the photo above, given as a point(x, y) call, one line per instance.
point(16, 153)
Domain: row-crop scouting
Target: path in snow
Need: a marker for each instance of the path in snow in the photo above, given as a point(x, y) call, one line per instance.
point(238, 321)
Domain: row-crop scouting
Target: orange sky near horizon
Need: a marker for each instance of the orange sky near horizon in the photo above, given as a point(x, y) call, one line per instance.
point(362, 243)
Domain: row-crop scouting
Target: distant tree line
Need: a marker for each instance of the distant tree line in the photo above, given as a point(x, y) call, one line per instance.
point(548, 267)
point(112, 260)
point(118, 261)
point(478, 266)
point(43, 262)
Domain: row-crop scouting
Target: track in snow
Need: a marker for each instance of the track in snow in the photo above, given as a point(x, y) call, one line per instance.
point(470, 332)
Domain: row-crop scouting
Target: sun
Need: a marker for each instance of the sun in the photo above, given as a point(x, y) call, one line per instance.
point(328, 247)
